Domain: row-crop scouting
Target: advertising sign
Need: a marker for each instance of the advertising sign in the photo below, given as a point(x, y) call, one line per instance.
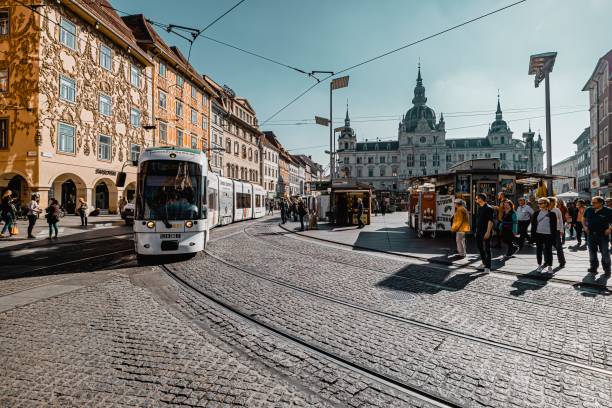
point(444, 212)
point(463, 184)
point(428, 211)
point(507, 186)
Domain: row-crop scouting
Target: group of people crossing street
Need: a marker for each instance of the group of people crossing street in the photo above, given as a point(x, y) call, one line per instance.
point(543, 226)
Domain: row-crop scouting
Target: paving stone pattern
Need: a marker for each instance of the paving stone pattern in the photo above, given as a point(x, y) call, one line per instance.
point(561, 333)
point(112, 344)
point(457, 369)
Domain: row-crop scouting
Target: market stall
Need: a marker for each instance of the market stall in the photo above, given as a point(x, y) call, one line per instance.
point(344, 199)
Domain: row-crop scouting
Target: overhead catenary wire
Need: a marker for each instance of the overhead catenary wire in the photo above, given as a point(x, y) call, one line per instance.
point(344, 70)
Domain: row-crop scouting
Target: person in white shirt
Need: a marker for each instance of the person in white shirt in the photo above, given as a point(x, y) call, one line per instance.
point(523, 215)
point(557, 236)
point(33, 211)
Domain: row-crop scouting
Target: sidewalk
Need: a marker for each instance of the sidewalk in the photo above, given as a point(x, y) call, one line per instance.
point(392, 234)
point(69, 230)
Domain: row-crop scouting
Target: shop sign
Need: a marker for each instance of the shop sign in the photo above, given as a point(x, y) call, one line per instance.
point(46, 154)
point(106, 172)
point(32, 153)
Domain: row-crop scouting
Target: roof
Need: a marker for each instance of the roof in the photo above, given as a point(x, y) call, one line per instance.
point(567, 159)
point(606, 57)
point(585, 134)
point(102, 12)
point(377, 146)
point(468, 143)
point(271, 139)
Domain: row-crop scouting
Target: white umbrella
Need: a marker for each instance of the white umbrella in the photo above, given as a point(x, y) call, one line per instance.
point(568, 194)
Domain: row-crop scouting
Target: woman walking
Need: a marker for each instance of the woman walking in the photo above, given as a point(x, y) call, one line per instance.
point(543, 226)
point(8, 213)
point(580, 209)
point(560, 231)
point(82, 210)
point(509, 227)
point(33, 211)
point(53, 217)
point(460, 226)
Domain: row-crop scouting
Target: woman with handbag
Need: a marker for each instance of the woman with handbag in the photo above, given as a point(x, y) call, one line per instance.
point(82, 210)
point(9, 213)
point(53, 216)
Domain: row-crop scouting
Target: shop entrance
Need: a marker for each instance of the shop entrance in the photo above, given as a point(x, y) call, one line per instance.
point(68, 197)
point(102, 196)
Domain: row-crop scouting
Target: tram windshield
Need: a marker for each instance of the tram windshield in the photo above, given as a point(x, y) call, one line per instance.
point(169, 190)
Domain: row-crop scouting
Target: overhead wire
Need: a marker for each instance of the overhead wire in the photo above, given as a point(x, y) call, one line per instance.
point(391, 52)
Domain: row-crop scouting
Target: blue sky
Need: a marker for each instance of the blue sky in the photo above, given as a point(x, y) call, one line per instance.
point(462, 70)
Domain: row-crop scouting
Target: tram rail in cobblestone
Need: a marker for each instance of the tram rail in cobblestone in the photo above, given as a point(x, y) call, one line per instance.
point(341, 361)
point(413, 322)
point(428, 283)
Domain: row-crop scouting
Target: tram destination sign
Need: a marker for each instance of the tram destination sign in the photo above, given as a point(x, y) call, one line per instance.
point(106, 172)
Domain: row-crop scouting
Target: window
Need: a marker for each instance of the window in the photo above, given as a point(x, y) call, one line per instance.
point(370, 172)
point(474, 156)
point(461, 157)
point(393, 159)
point(163, 131)
point(236, 148)
point(448, 158)
point(104, 147)
point(67, 89)
point(422, 160)
point(228, 147)
point(194, 92)
point(346, 160)
point(394, 171)
point(410, 160)
point(4, 139)
point(501, 156)
point(163, 100)
point(106, 57)
point(65, 138)
point(4, 78)
point(383, 170)
point(162, 69)
point(194, 116)
point(194, 142)
point(134, 152)
point(370, 160)
point(422, 139)
point(105, 105)
point(135, 117)
point(359, 160)
point(436, 160)
point(68, 33)
point(204, 100)
point(179, 81)
point(244, 152)
point(4, 22)
point(178, 109)
point(204, 122)
point(359, 172)
point(487, 155)
point(135, 76)
point(256, 156)
point(179, 136)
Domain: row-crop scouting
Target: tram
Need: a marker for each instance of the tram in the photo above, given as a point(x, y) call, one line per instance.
point(178, 201)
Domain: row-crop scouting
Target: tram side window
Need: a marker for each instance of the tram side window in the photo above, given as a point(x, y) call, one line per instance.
point(247, 200)
point(212, 198)
point(257, 200)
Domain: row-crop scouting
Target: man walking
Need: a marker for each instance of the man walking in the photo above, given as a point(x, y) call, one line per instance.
point(484, 227)
point(597, 228)
point(33, 211)
point(523, 215)
point(284, 209)
point(360, 213)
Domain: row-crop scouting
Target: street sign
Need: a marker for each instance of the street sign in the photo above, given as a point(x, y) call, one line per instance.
point(341, 82)
point(321, 121)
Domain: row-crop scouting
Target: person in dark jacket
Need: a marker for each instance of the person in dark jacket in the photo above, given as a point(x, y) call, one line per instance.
point(360, 213)
point(543, 228)
point(8, 212)
point(284, 210)
point(301, 211)
point(598, 228)
point(509, 227)
point(53, 212)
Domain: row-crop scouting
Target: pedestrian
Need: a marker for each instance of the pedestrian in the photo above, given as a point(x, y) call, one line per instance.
point(484, 228)
point(523, 216)
point(508, 228)
point(570, 218)
point(301, 211)
point(82, 211)
point(271, 208)
point(543, 226)
point(597, 228)
point(580, 209)
point(563, 209)
point(609, 205)
point(8, 213)
point(532, 202)
point(53, 217)
point(293, 210)
point(499, 214)
point(460, 226)
point(283, 210)
point(360, 213)
point(383, 207)
point(557, 240)
point(33, 211)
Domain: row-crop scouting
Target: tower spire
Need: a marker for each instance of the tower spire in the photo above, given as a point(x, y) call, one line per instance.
point(498, 112)
point(419, 89)
point(347, 120)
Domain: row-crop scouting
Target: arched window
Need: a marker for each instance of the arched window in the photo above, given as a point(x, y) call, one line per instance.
point(383, 171)
point(346, 145)
point(423, 139)
point(503, 140)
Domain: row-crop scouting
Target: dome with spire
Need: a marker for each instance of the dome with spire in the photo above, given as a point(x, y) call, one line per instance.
point(420, 110)
point(499, 125)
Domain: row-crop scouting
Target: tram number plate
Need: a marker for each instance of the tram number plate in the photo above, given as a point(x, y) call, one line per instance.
point(168, 236)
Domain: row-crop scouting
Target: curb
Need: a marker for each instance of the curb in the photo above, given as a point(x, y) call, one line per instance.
point(449, 263)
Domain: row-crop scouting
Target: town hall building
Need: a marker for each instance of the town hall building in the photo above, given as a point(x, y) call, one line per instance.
point(422, 148)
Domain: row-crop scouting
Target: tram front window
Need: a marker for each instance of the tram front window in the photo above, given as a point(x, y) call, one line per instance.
point(169, 190)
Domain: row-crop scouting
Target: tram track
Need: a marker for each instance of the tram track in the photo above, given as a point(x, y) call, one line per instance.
point(410, 321)
point(366, 372)
point(261, 239)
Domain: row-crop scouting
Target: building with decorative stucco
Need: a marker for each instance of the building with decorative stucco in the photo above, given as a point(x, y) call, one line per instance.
point(423, 149)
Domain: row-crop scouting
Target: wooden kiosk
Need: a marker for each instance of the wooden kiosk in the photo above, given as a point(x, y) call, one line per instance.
point(344, 198)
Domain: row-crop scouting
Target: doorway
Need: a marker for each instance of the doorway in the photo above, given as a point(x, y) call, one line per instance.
point(102, 196)
point(68, 198)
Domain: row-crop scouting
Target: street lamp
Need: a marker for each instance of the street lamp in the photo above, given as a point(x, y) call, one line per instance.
point(541, 65)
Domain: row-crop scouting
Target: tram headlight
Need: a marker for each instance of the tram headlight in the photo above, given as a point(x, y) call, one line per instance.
point(151, 224)
point(188, 224)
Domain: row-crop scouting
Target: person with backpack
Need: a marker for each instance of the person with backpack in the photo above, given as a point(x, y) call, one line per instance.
point(53, 217)
point(508, 228)
point(543, 228)
point(82, 210)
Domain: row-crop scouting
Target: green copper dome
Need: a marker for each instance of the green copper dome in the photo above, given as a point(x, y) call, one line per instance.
point(499, 125)
point(420, 110)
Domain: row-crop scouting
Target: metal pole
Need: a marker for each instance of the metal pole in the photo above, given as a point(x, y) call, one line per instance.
point(548, 137)
point(331, 138)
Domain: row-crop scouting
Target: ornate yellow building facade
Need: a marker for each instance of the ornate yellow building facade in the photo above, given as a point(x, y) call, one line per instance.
point(77, 103)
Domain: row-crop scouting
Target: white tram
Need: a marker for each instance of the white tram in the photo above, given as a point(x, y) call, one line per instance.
point(178, 201)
